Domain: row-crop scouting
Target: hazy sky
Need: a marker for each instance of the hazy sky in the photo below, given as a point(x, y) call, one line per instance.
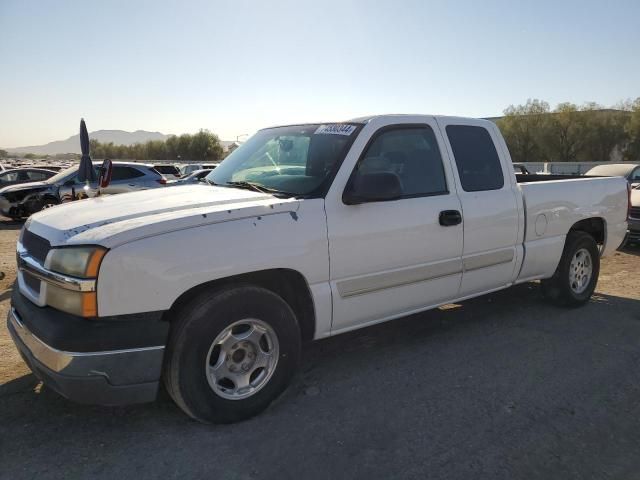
point(236, 66)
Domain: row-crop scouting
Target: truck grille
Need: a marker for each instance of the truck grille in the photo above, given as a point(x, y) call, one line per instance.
point(634, 212)
point(36, 246)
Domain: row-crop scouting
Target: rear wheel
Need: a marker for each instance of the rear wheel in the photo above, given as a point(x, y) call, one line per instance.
point(576, 277)
point(231, 352)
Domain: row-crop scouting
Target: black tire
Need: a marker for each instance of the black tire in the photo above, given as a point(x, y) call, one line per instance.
point(194, 330)
point(558, 288)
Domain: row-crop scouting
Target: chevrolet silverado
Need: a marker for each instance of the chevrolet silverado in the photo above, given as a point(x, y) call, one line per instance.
point(303, 232)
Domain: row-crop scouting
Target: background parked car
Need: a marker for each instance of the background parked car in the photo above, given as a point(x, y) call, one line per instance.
point(170, 172)
point(19, 201)
point(194, 177)
point(192, 167)
point(24, 175)
point(630, 171)
point(520, 168)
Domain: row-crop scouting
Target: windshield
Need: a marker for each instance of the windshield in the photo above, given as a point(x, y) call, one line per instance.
point(296, 160)
point(69, 174)
point(60, 176)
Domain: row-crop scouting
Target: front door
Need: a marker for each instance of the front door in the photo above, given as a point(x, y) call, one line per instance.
point(390, 258)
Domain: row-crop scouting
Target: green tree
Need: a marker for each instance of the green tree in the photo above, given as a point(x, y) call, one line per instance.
point(603, 131)
point(632, 129)
point(4, 154)
point(184, 145)
point(205, 146)
point(522, 126)
point(171, 145)
point(563, 131)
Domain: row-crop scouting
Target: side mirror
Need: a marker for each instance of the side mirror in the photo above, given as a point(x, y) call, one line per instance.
point(105, 173)
point(372, 187)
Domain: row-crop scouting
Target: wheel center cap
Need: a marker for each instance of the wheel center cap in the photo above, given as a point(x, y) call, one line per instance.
point(238, 355)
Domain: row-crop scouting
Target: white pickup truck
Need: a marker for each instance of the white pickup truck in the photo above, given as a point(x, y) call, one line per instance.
point(303, 232)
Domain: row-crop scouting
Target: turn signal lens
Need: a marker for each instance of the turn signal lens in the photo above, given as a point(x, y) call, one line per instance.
point(82, 304)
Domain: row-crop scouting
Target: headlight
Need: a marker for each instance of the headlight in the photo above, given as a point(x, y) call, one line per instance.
point(79, 262)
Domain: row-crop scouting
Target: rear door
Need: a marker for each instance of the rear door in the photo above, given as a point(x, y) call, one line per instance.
point(489, 204)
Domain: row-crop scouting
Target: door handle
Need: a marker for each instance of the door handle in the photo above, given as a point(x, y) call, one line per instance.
point(449, 218)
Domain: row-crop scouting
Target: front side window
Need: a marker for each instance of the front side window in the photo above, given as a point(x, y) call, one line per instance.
point(635, 176)
point(476, 158)
point(413, 155)
point(298, 160)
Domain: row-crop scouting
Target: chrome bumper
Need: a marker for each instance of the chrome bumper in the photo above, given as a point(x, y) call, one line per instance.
point(110, 378)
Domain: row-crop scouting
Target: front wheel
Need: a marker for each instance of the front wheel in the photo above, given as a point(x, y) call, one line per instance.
point(575, 279)
point(231, 352)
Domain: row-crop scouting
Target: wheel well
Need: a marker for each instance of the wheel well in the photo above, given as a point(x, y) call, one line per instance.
point(289, 284)
point(593, 226)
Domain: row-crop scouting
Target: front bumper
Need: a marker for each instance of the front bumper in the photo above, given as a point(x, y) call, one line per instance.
point(102, 377)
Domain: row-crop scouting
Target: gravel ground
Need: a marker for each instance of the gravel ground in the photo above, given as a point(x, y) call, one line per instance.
point(500, 387)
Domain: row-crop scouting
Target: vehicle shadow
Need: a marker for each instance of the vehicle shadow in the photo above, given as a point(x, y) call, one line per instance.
point(9, 224)
point(351, 353)
point(431, 387)
point(631, 249)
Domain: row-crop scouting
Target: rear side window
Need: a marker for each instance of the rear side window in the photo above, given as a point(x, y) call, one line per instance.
point(125, 173)
point(167, 169)
point(413, 155)
point(476, 158)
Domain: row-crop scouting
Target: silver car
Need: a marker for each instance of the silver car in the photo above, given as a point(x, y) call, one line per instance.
point(22, 200)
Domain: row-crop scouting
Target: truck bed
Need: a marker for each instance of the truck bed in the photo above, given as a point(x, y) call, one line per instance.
point(555, 202)
point(534, 177)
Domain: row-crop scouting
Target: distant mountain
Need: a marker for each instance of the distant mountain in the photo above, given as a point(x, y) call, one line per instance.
point(72, 144)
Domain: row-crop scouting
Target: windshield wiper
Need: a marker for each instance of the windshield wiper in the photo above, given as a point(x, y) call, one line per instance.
point(258, 188)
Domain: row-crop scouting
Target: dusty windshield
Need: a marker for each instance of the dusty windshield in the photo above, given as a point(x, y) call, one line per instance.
point(295, 160)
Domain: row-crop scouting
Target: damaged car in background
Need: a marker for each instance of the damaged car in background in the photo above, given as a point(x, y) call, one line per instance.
point(20, 201)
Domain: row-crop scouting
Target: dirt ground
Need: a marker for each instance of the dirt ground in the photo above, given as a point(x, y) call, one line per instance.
point(503, 386)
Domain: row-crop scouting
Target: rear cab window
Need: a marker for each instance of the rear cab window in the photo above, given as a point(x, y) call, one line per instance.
point(476, 158)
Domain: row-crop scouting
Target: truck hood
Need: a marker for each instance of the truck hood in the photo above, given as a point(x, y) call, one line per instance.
point(113, 220)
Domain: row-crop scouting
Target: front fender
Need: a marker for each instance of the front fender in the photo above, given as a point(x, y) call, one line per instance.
point(149, 274)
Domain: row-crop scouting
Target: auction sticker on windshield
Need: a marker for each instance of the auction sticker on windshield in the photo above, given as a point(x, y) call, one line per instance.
point(335, 129)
